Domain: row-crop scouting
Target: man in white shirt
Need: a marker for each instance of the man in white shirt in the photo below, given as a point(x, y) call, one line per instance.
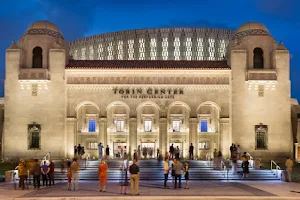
point(166, 171)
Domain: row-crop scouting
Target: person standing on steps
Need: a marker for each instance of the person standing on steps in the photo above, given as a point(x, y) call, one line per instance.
point(100, 147)
point(191, 151)
point(186, 175)
point(124, 180)
point(171, 152)
point(178, 167)
point(107, 152)
point(51, 172)
point(134, 178)
point(36, 172)
point(102, 176)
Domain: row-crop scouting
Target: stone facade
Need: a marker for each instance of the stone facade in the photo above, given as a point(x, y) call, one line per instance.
point(60, 103)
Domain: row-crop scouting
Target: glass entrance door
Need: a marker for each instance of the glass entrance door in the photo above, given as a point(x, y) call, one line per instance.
point(120, 148)
point(148, 150)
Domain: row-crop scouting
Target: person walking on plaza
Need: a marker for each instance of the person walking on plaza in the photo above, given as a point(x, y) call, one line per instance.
point(178, 167)
point(186, 175)
point(51, 172)
point(75, 174)
point(289, 165)
point(124, 179)
point(166, 171)
point(191, 151)
point(69, 174)
point(36, 172)
point(134, 178)
point(45, 170)
point(102, 176)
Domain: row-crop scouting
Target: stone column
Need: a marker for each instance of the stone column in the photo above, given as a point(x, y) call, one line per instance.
point(163, 133)
point(102, 137)
point(225, 140)
point(71, 137)
point(132, 136)
point(193, 135)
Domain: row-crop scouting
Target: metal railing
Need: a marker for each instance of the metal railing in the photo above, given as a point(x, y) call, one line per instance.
point(225, 170)
point(277, 169)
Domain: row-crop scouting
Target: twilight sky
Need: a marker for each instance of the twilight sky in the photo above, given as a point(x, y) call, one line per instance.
point(80, 18)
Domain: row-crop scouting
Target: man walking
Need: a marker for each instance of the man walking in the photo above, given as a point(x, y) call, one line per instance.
point(134, 178)
point(289, 165)
point(36, 172)
point(75, 171)
point(178, 167)
point(191, 151)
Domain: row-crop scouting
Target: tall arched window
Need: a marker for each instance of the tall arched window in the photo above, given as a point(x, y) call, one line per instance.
point(37, 57)
point(258, 58)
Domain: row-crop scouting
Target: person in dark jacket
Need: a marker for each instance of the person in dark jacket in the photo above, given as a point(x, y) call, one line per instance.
point(245, 166)
point(36, 172)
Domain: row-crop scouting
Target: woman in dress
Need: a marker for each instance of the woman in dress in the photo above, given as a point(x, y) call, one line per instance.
point(124, 179)
point(102, 175)
point(69, 175)
point(186, 175)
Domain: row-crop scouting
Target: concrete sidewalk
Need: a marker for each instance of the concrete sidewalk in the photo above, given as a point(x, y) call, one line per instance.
point(154, 190)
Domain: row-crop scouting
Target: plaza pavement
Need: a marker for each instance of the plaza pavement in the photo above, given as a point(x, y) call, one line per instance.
point(208, 190)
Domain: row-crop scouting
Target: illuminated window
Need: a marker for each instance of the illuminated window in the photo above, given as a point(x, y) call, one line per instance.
point(91, 52)
point(120, 125)
point(177, 48)
point(203, 126)
point(100, 52)
point(110, 51)
point(120, 50)
point(83, 53)
point(222, 48)
point(130, 49)
point(165, 48)
point(211, 49)
point(148, 125)
point(153, 49)
point(203, 145)
point(75, 55)
point(92, 145)
point(142, 49)
point(188, 47)
point(200, 54)
point(92, 125)
point(261, 137)
point(176, 125)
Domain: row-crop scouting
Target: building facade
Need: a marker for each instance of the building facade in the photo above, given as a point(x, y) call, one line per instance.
point(148, 88)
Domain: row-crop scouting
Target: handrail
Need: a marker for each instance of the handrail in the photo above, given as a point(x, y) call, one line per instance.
point(225, 169)
point(277, 168)
point(47, 155)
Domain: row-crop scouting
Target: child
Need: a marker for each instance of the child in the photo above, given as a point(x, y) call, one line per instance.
point(69, 175)
point(186, 175)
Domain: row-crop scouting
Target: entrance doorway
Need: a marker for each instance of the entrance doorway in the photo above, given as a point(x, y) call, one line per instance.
point(148, 150)
point(179, 145)
point(120, 148)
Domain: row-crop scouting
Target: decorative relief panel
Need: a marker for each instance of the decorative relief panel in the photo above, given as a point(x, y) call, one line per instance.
point(150, 80)
point(34, 90)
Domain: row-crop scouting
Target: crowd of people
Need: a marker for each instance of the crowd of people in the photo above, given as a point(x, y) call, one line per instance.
point(172, 167)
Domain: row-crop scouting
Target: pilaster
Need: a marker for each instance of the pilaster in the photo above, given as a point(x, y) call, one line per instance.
point(132, 135)
point(225, 139)
point(102, 137)
point(71, 135)
point(193, 134)
point(163, 141)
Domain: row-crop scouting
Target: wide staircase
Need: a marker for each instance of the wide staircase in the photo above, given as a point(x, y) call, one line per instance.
point(153, 170)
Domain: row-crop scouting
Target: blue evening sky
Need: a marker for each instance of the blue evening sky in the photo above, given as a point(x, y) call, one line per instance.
point(80, 18)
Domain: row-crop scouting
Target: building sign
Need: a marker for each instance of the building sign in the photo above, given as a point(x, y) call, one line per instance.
point(148, 93)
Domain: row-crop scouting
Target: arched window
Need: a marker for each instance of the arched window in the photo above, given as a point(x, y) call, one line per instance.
point(258, 58)
point(37, 57)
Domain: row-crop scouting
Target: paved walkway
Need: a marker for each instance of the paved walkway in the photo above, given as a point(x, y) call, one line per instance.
point(154, 190)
